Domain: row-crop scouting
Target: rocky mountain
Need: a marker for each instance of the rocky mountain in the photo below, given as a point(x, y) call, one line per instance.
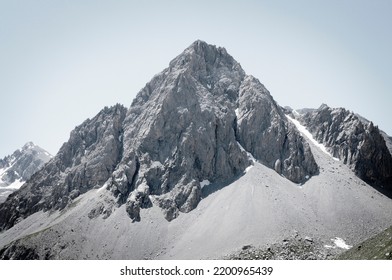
point(203, 161)
point(387, 138)
point(354, 140)
point(17, 168)
point(200, 119)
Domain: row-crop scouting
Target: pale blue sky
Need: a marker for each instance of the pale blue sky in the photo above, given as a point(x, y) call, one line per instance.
point(63, 61)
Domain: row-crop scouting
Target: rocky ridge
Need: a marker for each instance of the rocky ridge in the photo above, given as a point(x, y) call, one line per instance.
point(84, 162)
point(17, 168)
point(200, 119)
point(357, 143)
point(22, 164)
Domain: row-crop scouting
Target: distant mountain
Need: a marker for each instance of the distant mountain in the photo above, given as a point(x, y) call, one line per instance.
point(17, 168)
point(203, 162)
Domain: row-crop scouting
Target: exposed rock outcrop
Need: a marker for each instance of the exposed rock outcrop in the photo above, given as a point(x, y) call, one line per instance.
point(86, 161)
point(190, 123)
point(356, 142)
point(17, 168)
point(264, 131)
point(22, 164)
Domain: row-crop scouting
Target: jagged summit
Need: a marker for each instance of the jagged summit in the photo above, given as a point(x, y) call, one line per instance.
point(354, 140)
point(213, 68)
point(202, 58)
point(17, 168)
point(23, 162)
point(28, 145)
point(323, 106)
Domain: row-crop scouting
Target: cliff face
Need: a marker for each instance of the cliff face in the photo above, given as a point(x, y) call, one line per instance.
point(22, 164)
point(357, 143)
point(85, 161)
point(201, 119)
point(17, 168)
point(265, 132)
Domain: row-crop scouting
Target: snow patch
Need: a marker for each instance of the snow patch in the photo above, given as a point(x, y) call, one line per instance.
point(156, 164)
point(306, 133)
point(49, 155)
point(16, 185)
point(2, 171)
point(237, 112)
point(102, 188)
point(250, 157)
point(248, 168)
point(339, 243)
point(204, 183)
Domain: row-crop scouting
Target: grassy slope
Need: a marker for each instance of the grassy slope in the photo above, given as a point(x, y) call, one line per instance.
point(378, 247)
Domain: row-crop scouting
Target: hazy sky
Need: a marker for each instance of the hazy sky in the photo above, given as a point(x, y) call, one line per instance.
point(62, 61)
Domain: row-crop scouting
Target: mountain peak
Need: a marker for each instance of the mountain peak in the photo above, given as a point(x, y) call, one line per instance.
point(28, 145)
point(199, 65)
point(20, 166)
point(200, 119)
point(203, 57)
point(200, 47)
point(323, 106)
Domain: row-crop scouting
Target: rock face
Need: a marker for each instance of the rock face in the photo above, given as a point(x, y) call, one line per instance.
point(355, 141)
point(20, 166)
point(190, 124)
point(264, 131)
point(87, 160)
point(199, 119)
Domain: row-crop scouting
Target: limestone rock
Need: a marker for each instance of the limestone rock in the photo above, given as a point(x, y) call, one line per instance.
point(354, 140)
point(86, 161)
point(264, 131)
point(22, 164)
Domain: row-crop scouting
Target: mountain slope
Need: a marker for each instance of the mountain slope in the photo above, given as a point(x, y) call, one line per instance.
point(378, 247)
point(85, 161)
point(260, 208)
point(17, 168)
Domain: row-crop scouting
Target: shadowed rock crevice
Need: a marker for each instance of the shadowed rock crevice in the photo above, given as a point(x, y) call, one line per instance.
point(16, 251)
